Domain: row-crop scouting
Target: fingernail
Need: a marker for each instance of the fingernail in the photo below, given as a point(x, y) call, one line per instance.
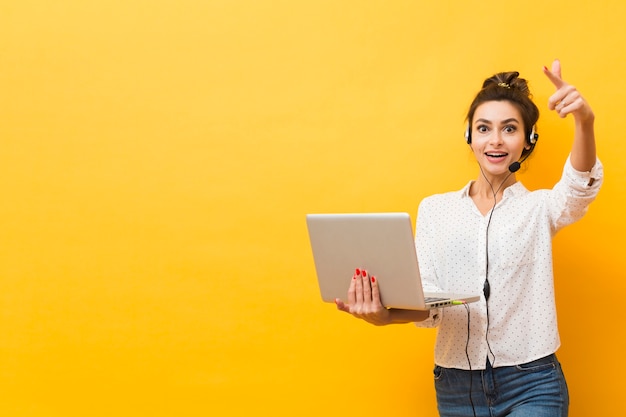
point(364, 272)
point(358, 271)
point(373, 279)
point(545, 68)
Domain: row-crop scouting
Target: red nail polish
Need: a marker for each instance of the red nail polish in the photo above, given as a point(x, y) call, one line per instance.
point(364, 272)
point(373, 279)
point(358, 271)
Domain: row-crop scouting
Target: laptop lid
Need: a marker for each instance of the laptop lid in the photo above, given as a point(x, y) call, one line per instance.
point(381, 243)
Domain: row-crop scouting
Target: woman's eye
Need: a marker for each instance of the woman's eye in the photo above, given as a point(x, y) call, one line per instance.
point(482, 129)
point(509, 129)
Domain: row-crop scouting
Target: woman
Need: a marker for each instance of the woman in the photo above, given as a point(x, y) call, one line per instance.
point(496, 357)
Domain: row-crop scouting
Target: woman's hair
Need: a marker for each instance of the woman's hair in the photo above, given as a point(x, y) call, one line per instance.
point(507, 86)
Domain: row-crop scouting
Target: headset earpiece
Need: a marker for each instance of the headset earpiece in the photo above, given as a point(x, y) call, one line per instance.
point(532, 139)
point(468, 135)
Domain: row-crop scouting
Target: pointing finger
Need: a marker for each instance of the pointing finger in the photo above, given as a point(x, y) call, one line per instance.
point(554, 75)
point(556, 68)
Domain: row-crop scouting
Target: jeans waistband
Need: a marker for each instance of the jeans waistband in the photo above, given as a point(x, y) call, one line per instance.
point(546, 359)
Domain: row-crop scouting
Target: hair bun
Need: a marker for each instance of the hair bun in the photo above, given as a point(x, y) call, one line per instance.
point(509, 80)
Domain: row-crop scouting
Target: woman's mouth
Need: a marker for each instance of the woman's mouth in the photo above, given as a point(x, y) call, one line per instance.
point(496, 154)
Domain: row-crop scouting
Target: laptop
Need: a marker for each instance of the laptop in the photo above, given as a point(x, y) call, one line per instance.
point(383, 245)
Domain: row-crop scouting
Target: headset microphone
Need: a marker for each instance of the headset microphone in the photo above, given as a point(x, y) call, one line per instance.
point(515, 166)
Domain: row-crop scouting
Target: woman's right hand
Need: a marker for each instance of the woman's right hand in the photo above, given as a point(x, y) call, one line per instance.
point(364, 300)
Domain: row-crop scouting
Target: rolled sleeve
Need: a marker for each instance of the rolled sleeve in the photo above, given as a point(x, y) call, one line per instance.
point(584, 183)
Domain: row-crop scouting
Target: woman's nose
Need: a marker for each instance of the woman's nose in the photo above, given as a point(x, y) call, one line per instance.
point(495, 137)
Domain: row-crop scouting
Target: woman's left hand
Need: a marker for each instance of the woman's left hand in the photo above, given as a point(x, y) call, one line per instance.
point(364, 300)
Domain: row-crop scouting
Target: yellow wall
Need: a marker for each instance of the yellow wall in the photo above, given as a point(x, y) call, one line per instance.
point(158, 157)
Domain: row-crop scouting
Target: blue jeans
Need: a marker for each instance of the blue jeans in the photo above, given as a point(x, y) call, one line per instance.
point(534, 389)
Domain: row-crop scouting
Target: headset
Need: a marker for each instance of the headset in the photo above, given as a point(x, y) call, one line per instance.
point(532, 138)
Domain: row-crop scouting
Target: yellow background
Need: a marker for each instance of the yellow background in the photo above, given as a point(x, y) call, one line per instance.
point(158, 157)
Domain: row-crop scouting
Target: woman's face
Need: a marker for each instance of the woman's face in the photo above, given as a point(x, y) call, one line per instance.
point(498, 137)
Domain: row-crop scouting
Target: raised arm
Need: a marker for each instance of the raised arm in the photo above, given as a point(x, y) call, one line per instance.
point(568, 100)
